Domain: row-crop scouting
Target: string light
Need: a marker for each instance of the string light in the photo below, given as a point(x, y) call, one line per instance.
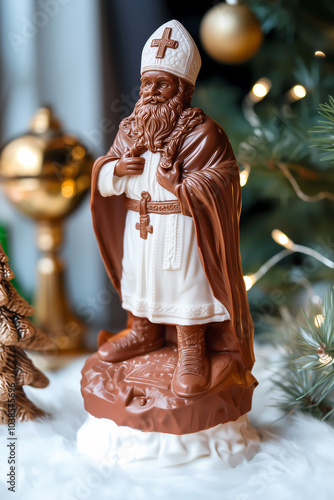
point(318, 320)
point(244, 174)
point(260, 89)
point(323, 356)
point(253, 278)
point(297, 92)
point(290, 247)
point(317, 197)
point(282, 239)
point(249, 281)
point(325, 359)
point(244, 178)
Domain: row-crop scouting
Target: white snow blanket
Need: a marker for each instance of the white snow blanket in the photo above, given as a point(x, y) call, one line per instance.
point(295, 460)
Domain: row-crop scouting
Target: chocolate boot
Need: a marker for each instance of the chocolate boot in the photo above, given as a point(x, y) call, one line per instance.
point(141, 338)
point(192, 372)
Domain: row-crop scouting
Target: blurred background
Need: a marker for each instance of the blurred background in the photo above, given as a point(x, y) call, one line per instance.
point(267, 67)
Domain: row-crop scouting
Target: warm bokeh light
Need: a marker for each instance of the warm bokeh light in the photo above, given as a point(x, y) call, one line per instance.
point(244, 174)
point(249, 281)
point(78, 152)
point(282, 239)
point(319, 53)
point(260, 89)
point(325, 359)
point(318, 320)
point(298, 92)
point(68, 188)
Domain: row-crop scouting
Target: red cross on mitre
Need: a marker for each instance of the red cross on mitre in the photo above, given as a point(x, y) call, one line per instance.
point(164, 42)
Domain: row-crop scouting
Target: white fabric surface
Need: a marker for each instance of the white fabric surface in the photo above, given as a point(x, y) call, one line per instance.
point(295, 461)
point(163, 279)
point(157, 454)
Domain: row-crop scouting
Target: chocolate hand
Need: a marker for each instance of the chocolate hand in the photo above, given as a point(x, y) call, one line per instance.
point(130, 163)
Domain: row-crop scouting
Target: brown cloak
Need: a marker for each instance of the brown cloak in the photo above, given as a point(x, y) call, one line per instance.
point(210, 193)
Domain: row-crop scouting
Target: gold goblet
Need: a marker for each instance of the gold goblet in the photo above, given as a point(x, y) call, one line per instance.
point(46, 174)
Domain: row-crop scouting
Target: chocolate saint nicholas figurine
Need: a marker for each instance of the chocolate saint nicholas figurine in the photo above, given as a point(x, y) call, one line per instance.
point(166, 203)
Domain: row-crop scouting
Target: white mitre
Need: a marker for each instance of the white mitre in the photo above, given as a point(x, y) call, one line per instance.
point(172, 49)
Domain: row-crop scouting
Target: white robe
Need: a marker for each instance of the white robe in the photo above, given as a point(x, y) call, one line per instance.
point(163, 279)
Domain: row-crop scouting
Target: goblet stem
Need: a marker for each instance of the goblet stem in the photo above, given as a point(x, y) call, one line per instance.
point(53, 312)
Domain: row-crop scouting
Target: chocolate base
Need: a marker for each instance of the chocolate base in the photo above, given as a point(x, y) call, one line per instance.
point(137, 392)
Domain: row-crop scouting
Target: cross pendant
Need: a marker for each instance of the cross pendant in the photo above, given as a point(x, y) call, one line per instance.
point(143, 225)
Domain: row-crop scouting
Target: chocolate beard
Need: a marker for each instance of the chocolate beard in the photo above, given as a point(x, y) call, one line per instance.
point(153, 121)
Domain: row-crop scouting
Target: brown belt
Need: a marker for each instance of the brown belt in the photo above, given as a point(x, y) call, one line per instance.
point(154, 207)
point(145, 206)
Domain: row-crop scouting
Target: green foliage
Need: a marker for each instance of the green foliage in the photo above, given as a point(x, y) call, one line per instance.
point(282, 130)
point(277, 142)
point(220, 102)
point(307, 381)
point(294, 20)
point(323, 134)
point(295, 387)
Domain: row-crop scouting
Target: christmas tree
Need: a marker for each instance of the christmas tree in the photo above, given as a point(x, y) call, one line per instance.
point(16, 334)
point(285, 156)
point(269, 105)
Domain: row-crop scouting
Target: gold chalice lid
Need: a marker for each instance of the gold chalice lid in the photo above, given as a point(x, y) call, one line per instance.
point(45, 172)
point(44, 121)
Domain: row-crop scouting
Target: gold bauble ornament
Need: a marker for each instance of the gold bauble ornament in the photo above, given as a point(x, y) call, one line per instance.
point(230, 33)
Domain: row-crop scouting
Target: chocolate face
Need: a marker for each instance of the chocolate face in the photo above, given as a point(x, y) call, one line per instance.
point(158, 86)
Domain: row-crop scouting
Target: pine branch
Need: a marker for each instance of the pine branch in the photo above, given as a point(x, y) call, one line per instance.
point(296, 394)
point(323, 133)
point(25, 409)
point(307, 383)
point(8, 332)
point(316, 337)
point(3, 413)
point(7, 375)
point(38, 341)
point(5, 272)
point(3, 293)
point(3, 256)
point(16, 368)
point(25, 327)
point(27, 373)
point(18, 304)
point(3, 357)
point(6, 380)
